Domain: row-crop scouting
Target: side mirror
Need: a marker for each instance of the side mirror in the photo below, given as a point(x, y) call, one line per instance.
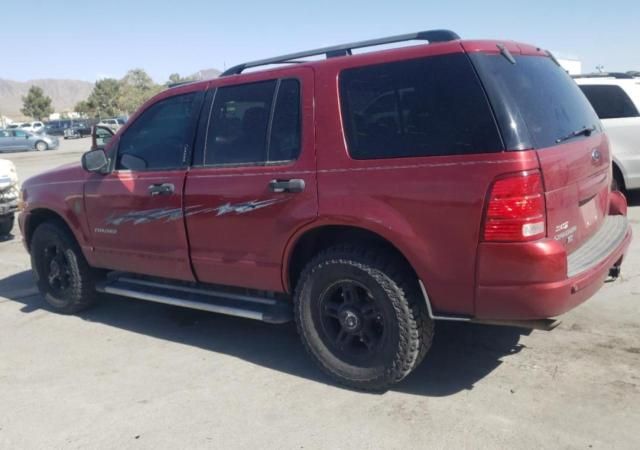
point(95, 161)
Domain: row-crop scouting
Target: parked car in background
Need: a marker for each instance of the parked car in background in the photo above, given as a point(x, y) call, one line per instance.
point(57, 127)
point(13, 126)
point(364, 196)
point(34, 127)
point(114, 123)
point(17, 139)
point(78, 129)
point(616, 99)
point(9, 192)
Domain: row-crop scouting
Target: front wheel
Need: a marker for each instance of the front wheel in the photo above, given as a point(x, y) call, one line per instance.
point(41, 146)
point(361, 316)
point(61, 272)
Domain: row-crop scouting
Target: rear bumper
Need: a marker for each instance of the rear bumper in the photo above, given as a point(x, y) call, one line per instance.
point(548, 294)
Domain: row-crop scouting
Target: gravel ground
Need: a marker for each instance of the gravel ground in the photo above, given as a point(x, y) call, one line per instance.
point(134, 374)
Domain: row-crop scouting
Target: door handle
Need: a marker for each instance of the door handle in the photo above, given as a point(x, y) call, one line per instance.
point(161, 189)
point(278, 186)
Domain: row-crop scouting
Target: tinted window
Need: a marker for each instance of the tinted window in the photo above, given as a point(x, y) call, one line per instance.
point(284, 142)
point(239, 123)
point(536, 102)
point(19, 133)
point(157, 139)
point(425, 107)
point(610, 102)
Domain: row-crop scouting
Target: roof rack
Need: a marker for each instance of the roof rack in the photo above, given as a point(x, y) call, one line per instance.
point(604, 75)
point(346, 49)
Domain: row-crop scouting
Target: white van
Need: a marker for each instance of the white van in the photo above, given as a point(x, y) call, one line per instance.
point(616, 99)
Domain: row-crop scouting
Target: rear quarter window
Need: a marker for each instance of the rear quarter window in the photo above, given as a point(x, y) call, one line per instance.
point(610, 101)
point(536, 101)
point(424, 107)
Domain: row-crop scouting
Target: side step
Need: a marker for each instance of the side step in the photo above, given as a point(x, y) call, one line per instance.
point(269, 310)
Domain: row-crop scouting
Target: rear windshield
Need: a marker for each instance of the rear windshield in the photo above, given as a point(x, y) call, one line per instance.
point(424, 107)
point(536, 102)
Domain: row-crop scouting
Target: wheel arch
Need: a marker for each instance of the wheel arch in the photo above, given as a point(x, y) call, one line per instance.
point(311, 241)
point(39, 216)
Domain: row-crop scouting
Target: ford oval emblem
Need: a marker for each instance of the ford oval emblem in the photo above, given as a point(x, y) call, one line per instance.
point(596, 155)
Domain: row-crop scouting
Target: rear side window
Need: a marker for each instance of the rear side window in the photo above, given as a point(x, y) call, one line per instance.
point(157, 139)
point(424, 107)
point(609, 101)
point(254, 123)
point(536, 101)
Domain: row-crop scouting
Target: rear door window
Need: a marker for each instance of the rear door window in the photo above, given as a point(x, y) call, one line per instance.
point(425, 107)
point(610, 101)
point(536, 101)
point(256, 123)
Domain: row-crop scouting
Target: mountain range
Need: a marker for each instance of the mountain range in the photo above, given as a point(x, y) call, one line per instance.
point(64, 93)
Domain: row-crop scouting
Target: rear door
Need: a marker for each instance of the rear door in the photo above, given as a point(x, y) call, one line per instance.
point(254, 179)
point(135, 213)
point(539, 106)
point(21, 140)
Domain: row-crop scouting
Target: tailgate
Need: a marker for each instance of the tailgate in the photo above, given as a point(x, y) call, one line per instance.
point(538, 106)
point(577, 182)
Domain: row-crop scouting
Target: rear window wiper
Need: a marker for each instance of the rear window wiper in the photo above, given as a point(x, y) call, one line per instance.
point(585, 131)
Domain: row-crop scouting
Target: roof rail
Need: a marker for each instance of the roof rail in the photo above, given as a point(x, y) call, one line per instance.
point(621, 75)
point(346, 49)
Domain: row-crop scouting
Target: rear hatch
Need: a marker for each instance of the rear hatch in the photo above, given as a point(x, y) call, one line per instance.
point(538, 106)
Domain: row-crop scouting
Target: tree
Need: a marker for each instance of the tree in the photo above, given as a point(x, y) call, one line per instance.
point(175, 78)
point(103, 100)
point(136, 88)
point(36, 104)
point(83, 107)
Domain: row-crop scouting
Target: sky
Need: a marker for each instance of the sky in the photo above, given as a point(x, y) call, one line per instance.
point(91, 40)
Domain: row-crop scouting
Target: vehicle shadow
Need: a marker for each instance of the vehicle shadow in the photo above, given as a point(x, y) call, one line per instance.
point(461, 355)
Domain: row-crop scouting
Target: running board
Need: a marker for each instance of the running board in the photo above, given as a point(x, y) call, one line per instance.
point(270, 310)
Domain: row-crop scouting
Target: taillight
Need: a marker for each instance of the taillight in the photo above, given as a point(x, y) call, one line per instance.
point(516, 209)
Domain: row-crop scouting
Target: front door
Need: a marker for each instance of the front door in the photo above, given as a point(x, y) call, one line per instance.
point(135, 213)
point(254, 181)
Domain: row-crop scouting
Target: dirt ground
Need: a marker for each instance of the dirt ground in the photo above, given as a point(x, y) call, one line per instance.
point(134, 374)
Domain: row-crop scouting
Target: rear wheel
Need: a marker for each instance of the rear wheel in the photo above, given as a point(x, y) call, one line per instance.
point(6, 225)
point(41, 146)
point(62, 274)
point(361, 318)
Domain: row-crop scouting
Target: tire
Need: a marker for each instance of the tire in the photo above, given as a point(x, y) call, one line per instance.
point(61, 272)
point(6, 225)
point(616, 184)
point(617, 181)
point(41, 146)
point(361, 316)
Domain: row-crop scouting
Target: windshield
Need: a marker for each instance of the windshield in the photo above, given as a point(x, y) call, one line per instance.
point(536, 102)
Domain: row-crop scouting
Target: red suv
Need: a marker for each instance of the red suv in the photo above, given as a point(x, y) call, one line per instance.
point(364, 195)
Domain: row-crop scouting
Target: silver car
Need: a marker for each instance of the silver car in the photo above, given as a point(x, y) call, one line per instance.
point(17, 139)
